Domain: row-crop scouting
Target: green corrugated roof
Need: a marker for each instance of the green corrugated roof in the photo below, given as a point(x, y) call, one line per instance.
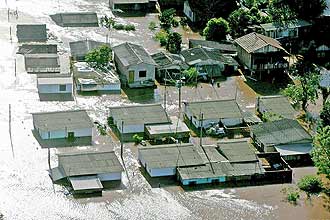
point(221, 109)
point(279, 105)
point(274, 26)
point(237, 151)
point(280, 132)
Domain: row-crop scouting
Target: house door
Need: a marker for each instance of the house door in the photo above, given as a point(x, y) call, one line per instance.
point(71, 136)
point(131, 76)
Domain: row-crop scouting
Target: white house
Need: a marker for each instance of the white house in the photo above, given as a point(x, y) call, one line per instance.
point(63, 125)
point(163, 160)
point(187, 10)
point(86, 170)
point(135, 66)
point(55, 87)
point(88, 79)
point(212, 112)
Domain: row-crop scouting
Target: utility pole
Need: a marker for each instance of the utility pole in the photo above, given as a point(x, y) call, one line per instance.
point(201, 129)
point(121, 141)
point(165, 90)
point(179, 85)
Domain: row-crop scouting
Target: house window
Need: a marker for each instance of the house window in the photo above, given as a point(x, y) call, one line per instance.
point(142, 73)
point(62, 88)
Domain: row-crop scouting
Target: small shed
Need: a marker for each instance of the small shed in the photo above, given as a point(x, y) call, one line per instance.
point(79, 49)
point(134, 118)
point(277, 105)
point(88, 79)
point(37, 49)
point(31, 33)
point(63, 124)
point(87, 170)
point(177, 130)
point(132, 5)
point(76, 19)
point(286, 136)
point(55, 87)
point(42, 63)
point(163, 160)
point(226, 112)
point(134, 65)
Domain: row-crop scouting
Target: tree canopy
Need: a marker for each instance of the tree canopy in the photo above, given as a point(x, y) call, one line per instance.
point(174, 41)
point(166, 18)
point(321, 151)
point(325, 114)
point(99, 57)
point(207, 9)
point(216, 29)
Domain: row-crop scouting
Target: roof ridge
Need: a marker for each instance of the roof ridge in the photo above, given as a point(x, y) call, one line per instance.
point(130, 47)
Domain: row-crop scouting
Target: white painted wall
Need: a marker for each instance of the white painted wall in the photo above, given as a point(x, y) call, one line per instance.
point(109, 176)
point(83, 132)
point(169, 171)
point(138, 128)
point(188, 12)
point(54, 88)
point(142, 67)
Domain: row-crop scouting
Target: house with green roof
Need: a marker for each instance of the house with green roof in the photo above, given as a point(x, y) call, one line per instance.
point(285, 136)
point(76, 19)
point(210, 112)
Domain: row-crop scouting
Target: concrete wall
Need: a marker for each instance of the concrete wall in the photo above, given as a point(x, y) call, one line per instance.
point(54, 88)
point(108, 87)
point(219, 179)
point(157, 172)
point(109, 176)
point(244, 57)
point(138, 128)
point(83, 132)
point(151, 69)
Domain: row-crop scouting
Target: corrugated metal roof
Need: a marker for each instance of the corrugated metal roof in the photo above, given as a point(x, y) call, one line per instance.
point(177, 126)
point(130, 1)
point(31, 32)
point(131, 54)
point(237, 151)
point(140, 114)
point(81, 48)
point(294, 149)
point(223, 47)
point(296, 24)
point(280, 132)
point(76, 19)
point(221, 109)
point(279, 105)
point(89, 163)
point(37, 48)
point(85, 183)
point(35, 63)
point(253, 41)
point(55, 121)
point(54, 81)
point(168, 156)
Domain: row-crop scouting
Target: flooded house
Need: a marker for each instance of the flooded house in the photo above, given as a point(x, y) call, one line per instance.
point(169, 66)
point(295, 29)
point(55, 87)
point(163, 160)
point(262, 56)
point(135, 5)
point(228, 162)
point(135, 66)
point(42, 63)
point(276, 106)
point(37, 49)
point(67, 125)
point(132, 119)
point(76, 19)
point(209, 62)
point(211, 112)
point(224, 47)
point(88, 79)
point(79, 49)
point(285, 136)
point(31, 33)
point(87, 170)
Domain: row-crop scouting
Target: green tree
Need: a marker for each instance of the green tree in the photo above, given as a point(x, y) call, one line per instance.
point(216, 29)
point(310, 184)
point(281, 13)
point(239, 20)
point(174, 41)
point(166, 18)
point(191, 75)
point(99, 57)
point(208, 9)
point(325, 114)
point(307, 9)
point(321, 151)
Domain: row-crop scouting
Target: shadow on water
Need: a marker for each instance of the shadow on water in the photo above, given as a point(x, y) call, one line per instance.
point(266, 88)
point(143, 95)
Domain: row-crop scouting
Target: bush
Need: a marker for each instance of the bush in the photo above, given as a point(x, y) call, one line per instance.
point(292, 194)
point(137, 139)
point(175, 23)
point(184, 21)
point(310, 184)
point(102, 129)
point(152, 26)
point(110, 121)
point(119, 26)
point(130, 27)
point(162, 36)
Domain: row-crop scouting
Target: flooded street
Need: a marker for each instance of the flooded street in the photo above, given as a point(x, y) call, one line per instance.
point(27, 192)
